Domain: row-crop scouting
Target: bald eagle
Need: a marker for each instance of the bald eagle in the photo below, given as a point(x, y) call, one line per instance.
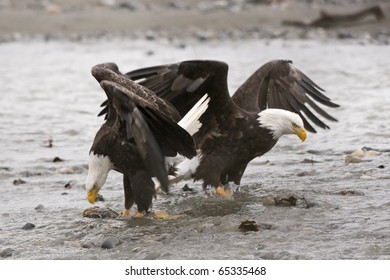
point(235, 130)
point(139, 135)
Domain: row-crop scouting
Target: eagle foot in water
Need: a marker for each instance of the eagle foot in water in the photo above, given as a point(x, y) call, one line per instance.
point(221, 191)
point(126, 212)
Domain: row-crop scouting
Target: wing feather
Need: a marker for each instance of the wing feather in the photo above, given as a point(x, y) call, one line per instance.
point(278, 84)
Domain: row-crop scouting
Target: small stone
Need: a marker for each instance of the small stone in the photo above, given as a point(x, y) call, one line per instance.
point(68, 185)
point(311, 161)
point(186, 188)
point(248, 226)
point(19, 182)
point(57, 159)
point(110, 242)
point(87, 244)
point(6, 252)
point(152, 256)
point(381, 166)
point(28, 226)
point(99, 197)
point(39, 207)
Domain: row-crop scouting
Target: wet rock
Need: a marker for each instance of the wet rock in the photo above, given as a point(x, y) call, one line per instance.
point(97, 212)
point(350, 192)
point(247, 226)
point(286, 201)
point(87, 244)
point(110, 242)
point(19, 181)
point(152, 256)
point(68, 185)
point(268, 201)
point(186, 188)
point(64, 193)
point(39, 207)
point(57, 159)
point(315, 152)
point(99, 197)
point(6, 252)
point(381, 166)
point(358, 153)
point(352, 159)
point(372, 153)
point(28, 226)
point(311, 161)
point(306, 173)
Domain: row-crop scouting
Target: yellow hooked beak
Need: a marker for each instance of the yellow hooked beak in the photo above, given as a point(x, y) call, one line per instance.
point(92, 195)
point(301, 133)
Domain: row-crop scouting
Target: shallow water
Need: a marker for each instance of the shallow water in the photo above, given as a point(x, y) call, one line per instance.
point(47, 93)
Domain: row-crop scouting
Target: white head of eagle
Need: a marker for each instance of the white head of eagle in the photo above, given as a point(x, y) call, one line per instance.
point(281, 122)
point(98, 168)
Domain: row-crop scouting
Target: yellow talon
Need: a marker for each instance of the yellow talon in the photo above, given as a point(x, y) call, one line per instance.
point(222, 192)
point(126, 212)
point(139, 214)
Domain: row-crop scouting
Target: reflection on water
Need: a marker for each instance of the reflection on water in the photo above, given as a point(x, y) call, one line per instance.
point(49, 102)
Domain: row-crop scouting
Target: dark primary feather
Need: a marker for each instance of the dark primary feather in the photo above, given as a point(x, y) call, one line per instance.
point(137, 128)
point(109, 72)
point(276, 84)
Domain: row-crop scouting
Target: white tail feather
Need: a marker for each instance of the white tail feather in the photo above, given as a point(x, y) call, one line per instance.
point(190, 122)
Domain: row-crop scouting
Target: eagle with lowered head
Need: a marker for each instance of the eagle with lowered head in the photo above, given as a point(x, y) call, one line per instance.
point(140, 138)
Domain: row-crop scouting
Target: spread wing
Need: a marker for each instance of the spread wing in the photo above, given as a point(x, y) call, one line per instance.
point(278, 84)
point(183, 84)
point(110, 72)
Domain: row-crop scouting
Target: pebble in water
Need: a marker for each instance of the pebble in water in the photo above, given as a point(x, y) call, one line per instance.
point(100, 213)
point(6, 252)
point(39, 207)
point(28, 226)
point(19, 182)
point(110, 242)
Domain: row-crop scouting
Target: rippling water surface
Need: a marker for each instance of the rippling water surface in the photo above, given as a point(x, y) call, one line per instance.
point(49, 97)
